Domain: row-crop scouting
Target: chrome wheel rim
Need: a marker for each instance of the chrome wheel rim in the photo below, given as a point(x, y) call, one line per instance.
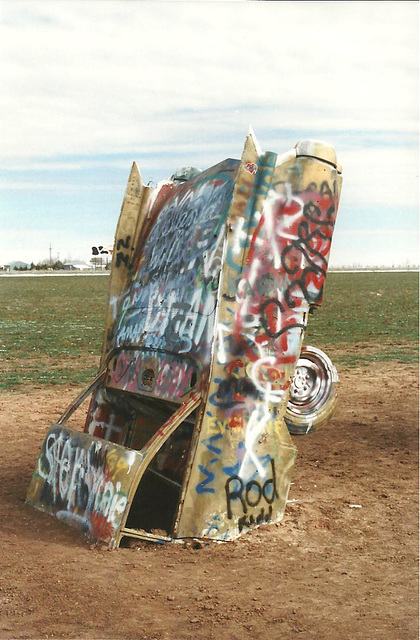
point(313, 394)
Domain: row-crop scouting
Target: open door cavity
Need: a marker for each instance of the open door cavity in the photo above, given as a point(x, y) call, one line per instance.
point(156, 494)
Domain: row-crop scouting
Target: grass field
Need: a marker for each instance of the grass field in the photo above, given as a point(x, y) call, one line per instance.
point(51, 328)
point(368, 317)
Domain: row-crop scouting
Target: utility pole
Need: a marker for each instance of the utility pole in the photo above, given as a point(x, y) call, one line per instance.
point(50, 256)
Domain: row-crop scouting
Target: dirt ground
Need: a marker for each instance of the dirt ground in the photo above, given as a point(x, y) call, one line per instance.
point(342, 564)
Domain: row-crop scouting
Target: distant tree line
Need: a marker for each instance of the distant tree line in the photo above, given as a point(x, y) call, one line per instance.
point(97, 262)
point(41, 266)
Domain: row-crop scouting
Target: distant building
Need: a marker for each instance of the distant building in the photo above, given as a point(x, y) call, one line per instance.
point(16, 265)
point(77, 266)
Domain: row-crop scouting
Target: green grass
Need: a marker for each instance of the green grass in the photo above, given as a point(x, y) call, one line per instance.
point(368, 317)
point(51, 329)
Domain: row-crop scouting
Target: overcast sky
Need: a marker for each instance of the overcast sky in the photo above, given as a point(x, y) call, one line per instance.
point(88, 87)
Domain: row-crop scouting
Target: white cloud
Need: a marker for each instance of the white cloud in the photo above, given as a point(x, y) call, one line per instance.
point(57, 186)
point(375, 247)
point(383, 175)
point(170, 83)
point(95, 77)
point(33, 245)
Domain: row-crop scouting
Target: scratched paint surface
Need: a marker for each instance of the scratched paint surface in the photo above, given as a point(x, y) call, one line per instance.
point(277, 257)
point(168, 309)
point(83, 481)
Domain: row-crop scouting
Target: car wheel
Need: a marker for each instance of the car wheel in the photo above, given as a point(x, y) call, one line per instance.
point(313, 392)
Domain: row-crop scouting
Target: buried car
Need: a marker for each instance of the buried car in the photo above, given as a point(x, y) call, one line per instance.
point(213, 276)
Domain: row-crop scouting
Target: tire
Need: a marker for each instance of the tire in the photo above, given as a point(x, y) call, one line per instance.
point(313, 392)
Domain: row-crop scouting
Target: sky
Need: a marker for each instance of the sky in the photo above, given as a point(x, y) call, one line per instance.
point(86, 88)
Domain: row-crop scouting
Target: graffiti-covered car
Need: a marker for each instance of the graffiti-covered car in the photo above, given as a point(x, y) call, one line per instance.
point(213, 276)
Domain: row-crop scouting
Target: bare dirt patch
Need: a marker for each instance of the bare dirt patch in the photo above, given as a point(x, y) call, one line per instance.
point(342, 564)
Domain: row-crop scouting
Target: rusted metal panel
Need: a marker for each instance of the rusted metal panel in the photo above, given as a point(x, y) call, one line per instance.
point(277, 256)
point(164, 331)
point(84, 481)
point(127, 233)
